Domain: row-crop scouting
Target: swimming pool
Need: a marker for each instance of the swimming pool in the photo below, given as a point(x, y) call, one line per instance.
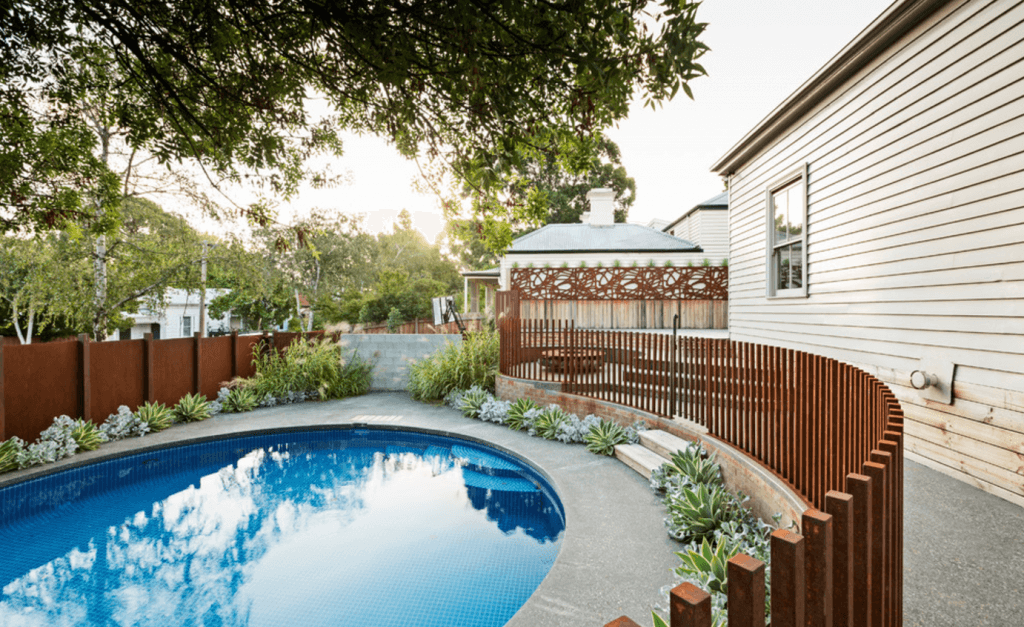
point(352, 526)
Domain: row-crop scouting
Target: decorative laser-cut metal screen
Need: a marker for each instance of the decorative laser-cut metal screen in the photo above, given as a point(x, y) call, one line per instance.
point(641, 283)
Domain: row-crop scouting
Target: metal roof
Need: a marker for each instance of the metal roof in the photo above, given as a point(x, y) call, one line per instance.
point(715, 203)
point(488, 273)
point(584, 238)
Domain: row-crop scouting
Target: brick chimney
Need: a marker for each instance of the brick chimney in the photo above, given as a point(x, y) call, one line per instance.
point(602, 207)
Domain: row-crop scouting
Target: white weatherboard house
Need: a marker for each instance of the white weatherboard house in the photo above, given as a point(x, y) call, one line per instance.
point(597, 239)
point(707, 226)
point(877, 217)
point(180, 318)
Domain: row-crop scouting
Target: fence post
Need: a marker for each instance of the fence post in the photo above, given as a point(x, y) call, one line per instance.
point(690, 606)
point(84, 378)
point(149, 389)
point(746, 591)
point(860, 487)
point(3, 416)
point(789, 586)
point(879, 473)
point(234, 354)
point(840, 506)
point(197, 378)
point(817, 532)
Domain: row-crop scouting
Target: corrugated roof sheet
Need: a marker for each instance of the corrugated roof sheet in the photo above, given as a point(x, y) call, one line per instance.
point(587, 238)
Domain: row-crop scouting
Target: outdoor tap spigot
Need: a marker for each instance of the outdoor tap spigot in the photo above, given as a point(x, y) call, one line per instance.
point(921, 379)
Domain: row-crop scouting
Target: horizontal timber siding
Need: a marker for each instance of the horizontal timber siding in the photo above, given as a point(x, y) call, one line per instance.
point(915, 234)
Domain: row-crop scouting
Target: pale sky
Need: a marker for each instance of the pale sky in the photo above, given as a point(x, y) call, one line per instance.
point(761, 51)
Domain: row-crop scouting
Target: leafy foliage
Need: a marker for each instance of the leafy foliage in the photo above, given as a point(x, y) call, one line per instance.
point(10, 451)
point(124, 424)
point(472, 362)
point(321, 369)
point(156, 415)
point(604, 436)
point(517, 412)
point(87, 436)
point(192, 408)
point(240, 400)
point(549, 422)
point(473, 400)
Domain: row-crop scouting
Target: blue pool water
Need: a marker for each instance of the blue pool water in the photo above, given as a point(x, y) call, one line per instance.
point(333, 527)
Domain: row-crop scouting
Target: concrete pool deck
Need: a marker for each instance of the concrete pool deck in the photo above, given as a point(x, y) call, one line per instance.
point(964, 564)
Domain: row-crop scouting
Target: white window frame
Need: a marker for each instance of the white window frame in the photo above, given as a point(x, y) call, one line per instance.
point(183, 319)
point(797, 175)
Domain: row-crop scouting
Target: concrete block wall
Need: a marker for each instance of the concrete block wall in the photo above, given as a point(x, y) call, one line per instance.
point(393, 353)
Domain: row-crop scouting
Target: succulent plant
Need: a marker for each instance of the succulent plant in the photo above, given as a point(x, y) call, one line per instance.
point(10, 452)
point(549, 421)
point(124, 424)
point(157, 415)
point(192, 408)
point(516, 417)
point(472, 401)
point(239, 400)
point(604, 436)
point(87, 435)
point(709, 564)
point(698, 469)
point(696, 513)
point(494, 411)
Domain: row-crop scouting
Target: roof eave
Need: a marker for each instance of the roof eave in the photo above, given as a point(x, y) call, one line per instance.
point(695, 249)
point(893, 23)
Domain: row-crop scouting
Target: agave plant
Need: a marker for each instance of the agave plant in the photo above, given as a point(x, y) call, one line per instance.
point(192, 408)
point(549, 422)
point(157, 415)
point(87, 435)
point(692, 464)
point(240, 400)
point(473, 401)
point(708, 564)
point(516, 417)
point(604, 436)
point(10, 451)
point(696, 513)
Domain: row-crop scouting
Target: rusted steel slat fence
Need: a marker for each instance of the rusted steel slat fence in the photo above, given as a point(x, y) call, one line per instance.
point(833, 432)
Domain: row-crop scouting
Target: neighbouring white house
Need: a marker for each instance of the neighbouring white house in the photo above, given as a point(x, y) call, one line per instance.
point(877, 217)
point(597, 240)
point(707, 226)
point(179, 318)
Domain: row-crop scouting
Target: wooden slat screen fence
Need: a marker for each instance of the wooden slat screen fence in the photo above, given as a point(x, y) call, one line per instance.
point(831, 431)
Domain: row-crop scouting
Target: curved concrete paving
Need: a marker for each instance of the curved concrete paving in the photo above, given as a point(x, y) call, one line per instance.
point(615, 554)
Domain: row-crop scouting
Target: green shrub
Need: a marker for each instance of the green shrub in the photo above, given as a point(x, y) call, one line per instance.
point(157, 415)
point(87, 435)
point(192, 408)
point(394, 319)
point(472, 401)
point(516, 418)
point(548, 422)
point(239, 400)
point(9, 454)
point(604, 436)
point(692, 464)
point(322, 368)
point(473, 362)
point(696, 513)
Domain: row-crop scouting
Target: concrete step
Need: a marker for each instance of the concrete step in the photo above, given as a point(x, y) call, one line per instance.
point(639, 458)
point(662, 442)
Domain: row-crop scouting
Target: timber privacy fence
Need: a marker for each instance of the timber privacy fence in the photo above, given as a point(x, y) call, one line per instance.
point(91, 379)
point(832, 431)
point(625, 297)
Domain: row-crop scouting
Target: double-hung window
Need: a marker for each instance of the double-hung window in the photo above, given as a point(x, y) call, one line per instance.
point(787, 235)
point(186, 326)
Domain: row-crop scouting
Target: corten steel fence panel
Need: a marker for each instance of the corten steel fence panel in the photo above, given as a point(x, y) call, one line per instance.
point(118, 374)
point(173, 362)
point(216, 365)
point(244, 348)
point(40, 382)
